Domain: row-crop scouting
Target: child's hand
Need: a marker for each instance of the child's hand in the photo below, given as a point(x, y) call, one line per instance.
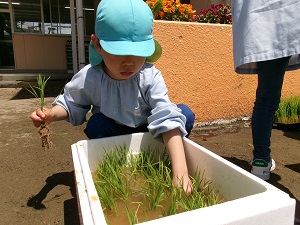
point(39, 116)
point(183, 182)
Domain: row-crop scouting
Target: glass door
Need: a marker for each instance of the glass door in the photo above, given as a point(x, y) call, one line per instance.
point(6, 44)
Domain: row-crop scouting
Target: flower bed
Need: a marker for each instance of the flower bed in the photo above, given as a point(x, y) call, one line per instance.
point(173, 10)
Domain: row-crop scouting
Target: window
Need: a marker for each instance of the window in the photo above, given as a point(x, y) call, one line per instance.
point(4, 4)
point(50, 16)
point(28, 16)
point(57, 17)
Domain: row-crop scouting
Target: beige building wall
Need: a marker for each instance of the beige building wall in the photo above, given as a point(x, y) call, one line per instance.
point(40, 52)
point(197, 64)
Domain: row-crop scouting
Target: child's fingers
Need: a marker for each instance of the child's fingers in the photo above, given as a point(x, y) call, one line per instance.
point(37, 117)
point(40, 113)
point(189, 188)
point(184, 183)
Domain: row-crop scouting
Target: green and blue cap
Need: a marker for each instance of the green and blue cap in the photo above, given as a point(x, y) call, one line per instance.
point(124, 27)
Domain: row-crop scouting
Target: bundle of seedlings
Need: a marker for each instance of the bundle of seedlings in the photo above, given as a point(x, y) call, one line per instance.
point(39, 92)
point(135, 188)
point(288, 111)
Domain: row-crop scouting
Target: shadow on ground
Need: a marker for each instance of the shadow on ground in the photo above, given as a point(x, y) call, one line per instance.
point(70, 205)
point(53, 89)
point(290, 130)
point(292, 134)
point(294, 167)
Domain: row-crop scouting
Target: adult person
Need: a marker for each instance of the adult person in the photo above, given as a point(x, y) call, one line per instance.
point(266, 42)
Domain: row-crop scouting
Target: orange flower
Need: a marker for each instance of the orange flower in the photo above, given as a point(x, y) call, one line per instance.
point(171, 10)
point(161, 14)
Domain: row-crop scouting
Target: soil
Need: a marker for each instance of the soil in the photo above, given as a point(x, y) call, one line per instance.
point(38, 185)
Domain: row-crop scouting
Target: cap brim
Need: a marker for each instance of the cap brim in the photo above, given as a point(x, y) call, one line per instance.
point(140, 48)
point(94, 56)
point(157, 53)
point(152, 53)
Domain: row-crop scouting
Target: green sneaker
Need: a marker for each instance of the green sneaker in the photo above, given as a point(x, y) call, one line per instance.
point(261, 168)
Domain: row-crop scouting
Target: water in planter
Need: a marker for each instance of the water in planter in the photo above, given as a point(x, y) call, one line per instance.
point(135, 188)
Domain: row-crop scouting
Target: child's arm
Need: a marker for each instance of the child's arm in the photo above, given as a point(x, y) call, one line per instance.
point(49, 115)
point(174, 144)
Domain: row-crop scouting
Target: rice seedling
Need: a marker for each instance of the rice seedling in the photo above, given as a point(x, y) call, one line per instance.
point(39, 92)
point(111, 173)
point(288, 111)
point(145, 179)
point(104, 193)
point(155, 191)
point(198, 199)
point(173, 208)
point(132, 217)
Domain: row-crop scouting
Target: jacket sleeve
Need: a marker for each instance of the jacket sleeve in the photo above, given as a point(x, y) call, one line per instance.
point(165, 115)
point(75, 99)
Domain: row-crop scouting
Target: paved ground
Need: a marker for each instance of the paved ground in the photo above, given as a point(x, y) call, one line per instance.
point(38, 187)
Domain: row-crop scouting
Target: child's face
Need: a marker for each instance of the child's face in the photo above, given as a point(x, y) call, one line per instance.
point(121, 67)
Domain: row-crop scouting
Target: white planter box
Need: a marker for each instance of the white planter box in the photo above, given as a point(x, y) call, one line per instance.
point(249, 200)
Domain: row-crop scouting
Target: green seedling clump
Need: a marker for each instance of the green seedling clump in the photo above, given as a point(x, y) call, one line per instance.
point(288, 111)
point(136, 188)
point(39, 92)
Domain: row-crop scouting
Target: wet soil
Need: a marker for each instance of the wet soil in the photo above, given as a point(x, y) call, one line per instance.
point(38, 187)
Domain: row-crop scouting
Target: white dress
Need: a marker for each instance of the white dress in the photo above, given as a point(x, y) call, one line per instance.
point(265, 30)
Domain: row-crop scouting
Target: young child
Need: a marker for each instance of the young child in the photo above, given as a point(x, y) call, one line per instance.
point(124, 93)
